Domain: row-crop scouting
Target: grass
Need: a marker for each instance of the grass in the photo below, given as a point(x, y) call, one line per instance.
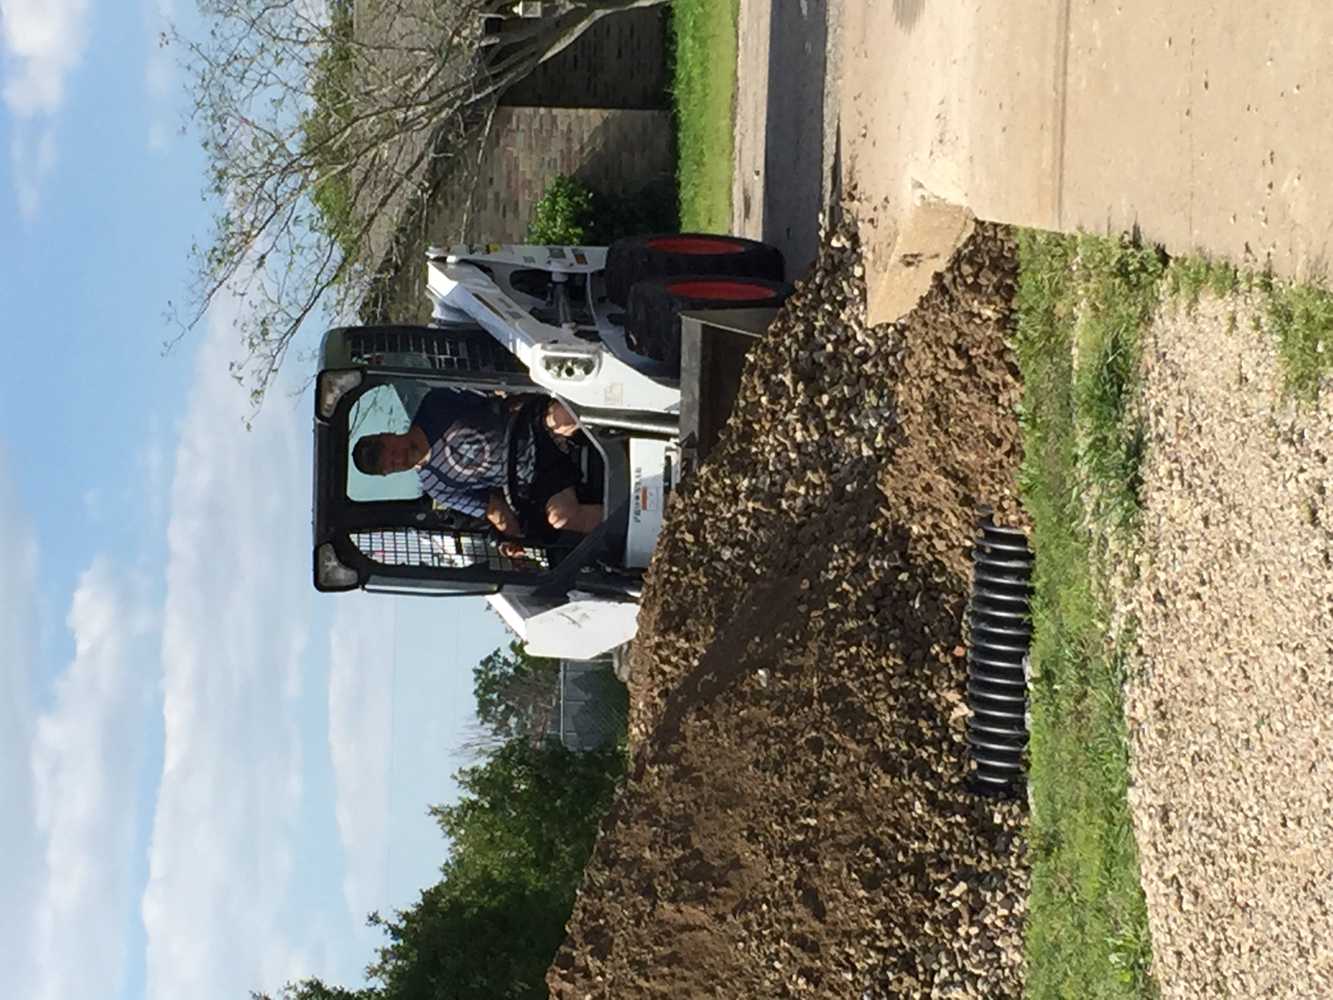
point(1301, 318)
point(1082, 303)
point(704, 92)
point(1298, 316)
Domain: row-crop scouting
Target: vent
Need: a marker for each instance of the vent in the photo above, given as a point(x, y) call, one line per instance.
point(465, 351)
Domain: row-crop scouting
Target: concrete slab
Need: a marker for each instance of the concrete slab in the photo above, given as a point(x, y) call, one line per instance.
point(924, 246)
point(1205, 124)
point(786, 122)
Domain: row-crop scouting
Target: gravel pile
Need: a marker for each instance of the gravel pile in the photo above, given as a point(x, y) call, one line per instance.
point(1230, 700)
point(795, 822)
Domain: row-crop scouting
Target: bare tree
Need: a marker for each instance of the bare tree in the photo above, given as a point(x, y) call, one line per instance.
point(323, 121)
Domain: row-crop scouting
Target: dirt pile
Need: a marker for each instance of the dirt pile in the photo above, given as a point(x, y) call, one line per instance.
point(795, 823)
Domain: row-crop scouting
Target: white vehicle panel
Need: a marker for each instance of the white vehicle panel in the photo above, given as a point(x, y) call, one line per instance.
point(584, 373)
point(653, 464)
point(582, 628)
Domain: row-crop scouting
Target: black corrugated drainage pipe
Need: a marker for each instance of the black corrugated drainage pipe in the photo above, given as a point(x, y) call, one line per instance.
point(1000, 616)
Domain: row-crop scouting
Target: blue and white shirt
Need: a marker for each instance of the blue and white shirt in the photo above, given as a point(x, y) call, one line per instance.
point(468, 458)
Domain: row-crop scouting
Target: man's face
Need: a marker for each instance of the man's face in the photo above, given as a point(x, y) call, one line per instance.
point(395, 454)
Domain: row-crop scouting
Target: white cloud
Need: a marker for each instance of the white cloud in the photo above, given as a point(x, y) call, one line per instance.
point(86, 755)
point(44, 41)
point(360, 732)
point(32, 155)
point(234, 630)
point(68, 777)
point(18, 841)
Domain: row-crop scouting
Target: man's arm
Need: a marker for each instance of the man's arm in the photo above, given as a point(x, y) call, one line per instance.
point(468, 502)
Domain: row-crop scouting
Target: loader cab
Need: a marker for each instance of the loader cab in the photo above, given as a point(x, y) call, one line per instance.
point(382, 533)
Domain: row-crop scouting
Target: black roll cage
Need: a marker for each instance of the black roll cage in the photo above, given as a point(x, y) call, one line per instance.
point(414, 527)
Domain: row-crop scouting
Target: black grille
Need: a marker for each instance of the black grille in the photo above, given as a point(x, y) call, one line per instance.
point(445, 550)
point(432, 349)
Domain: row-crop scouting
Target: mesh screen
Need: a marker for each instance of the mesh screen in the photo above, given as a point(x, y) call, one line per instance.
point(447, 550)
point(462, 351)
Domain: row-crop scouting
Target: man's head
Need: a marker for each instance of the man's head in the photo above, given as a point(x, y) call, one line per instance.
point(383, 454)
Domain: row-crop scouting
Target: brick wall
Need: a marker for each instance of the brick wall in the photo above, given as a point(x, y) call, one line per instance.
point(617, 151)
point(614, 151)
point(620, 62)
point(596, 111)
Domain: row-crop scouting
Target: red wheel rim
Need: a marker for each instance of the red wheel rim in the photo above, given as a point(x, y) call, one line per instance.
point(696, 245)
point(720, 289)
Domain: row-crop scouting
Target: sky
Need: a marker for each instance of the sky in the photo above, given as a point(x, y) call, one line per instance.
point(209, 774)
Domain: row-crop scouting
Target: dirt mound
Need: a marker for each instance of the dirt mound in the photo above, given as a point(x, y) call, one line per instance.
point(795, 822)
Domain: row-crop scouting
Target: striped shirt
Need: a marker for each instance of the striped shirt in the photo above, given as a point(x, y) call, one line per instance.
point(468, 455)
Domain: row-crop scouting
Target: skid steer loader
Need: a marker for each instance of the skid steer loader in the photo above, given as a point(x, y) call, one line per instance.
point(642, 342)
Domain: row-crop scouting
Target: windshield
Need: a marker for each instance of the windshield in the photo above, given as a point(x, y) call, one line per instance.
point(383, 409)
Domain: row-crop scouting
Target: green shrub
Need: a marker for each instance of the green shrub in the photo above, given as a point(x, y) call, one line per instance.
point(571, 213)
point(565, 214)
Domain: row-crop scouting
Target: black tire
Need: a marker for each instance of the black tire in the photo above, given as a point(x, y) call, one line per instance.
point(652, 326)
point(637, 258)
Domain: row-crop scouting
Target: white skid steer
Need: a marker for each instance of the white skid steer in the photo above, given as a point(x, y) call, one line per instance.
point(642, 343)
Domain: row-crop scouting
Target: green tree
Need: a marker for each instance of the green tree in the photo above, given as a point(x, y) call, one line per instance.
point(514, 691)
point(520, 836)
point(474, 935)
point(314, 132)
point(572, 212)
point(531, 812)
point(314, 989)
point(565, 214)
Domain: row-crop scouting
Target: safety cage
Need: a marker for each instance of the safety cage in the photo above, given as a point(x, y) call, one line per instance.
point(368, 536)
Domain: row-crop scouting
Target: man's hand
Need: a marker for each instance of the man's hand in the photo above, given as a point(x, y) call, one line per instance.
point(501, 515)
point(559, 421)
point(512, 550)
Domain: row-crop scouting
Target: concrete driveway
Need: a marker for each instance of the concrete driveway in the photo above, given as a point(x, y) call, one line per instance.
point(1204, 124)
point(786, 120)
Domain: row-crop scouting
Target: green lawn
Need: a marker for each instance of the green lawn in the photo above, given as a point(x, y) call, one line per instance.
point(704, 91)
point(1082, 302)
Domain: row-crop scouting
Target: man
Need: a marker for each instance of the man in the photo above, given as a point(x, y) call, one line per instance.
point(457, 446)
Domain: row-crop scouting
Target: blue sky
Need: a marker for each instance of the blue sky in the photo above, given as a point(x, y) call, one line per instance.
point(209, 774)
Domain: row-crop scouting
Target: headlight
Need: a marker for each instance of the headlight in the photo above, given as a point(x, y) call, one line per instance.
point(331, 573)
point(570, 368)
point(333, 386)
